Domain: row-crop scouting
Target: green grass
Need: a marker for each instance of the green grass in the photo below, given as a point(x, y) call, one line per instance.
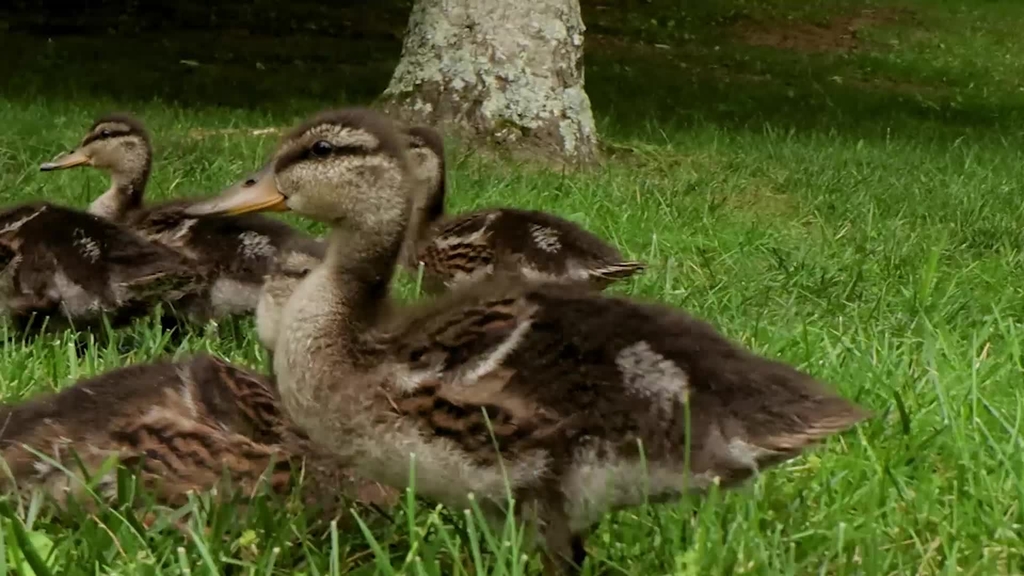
point(857, 214)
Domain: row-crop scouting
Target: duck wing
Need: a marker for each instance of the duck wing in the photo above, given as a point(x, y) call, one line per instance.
point(87, 265)
point(531, 243)
point(572, 374)
point(241, 247)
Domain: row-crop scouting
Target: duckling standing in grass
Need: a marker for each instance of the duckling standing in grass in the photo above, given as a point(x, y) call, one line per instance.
point(189, 426)
point(578, 402)
point(67, 268)
point(239, 251)
point(476, 245)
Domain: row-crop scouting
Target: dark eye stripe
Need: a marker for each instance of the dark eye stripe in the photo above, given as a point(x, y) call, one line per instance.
point(306, 153)
point(99, 136)
point(342, 151)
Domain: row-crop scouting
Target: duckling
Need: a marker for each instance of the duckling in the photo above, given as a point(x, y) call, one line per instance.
point(574, 401)
point(184, 424)
point(67, 268)
point(239, 251)
point(283, 276)
point(475, 245)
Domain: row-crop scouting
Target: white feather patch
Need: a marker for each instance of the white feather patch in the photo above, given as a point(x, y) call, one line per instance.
point(255, 245)
point(491, 362)
point(651, 374)
point(547, 239)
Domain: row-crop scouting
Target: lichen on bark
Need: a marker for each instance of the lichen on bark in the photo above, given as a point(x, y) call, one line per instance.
point(507, 71)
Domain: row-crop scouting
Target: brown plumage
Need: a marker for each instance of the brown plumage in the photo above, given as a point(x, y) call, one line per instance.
point(238, 251)
point(576, 401)
point(187, 426)
point(69, 268)
point(475, 245)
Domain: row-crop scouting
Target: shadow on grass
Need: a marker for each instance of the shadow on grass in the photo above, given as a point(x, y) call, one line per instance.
point(647, 75)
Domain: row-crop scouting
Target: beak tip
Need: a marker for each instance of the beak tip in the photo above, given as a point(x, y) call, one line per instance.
point(47, 167)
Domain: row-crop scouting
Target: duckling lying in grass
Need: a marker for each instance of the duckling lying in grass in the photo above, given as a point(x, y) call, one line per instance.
point(238, 250)
point(574, 401)
point(476, 245)
point(67, 268)
point(187, 426)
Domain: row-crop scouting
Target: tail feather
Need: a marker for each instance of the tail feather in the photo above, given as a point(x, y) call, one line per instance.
point(618, 270)
point(835, 415)
point(733, 452)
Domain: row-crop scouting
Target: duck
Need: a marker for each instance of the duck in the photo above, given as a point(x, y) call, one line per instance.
point(62, 268)
point(283, 276)
point(573, 402)
point(197, 424)
point(239, 251)
point(467, 247)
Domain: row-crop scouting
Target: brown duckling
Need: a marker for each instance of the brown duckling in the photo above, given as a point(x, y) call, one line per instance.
point(476, 245)
point(239, 251)
point(68, 268)
point(184, 424)
point(576, 401)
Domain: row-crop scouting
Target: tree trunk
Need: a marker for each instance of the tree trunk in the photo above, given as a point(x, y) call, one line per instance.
point(508, 71)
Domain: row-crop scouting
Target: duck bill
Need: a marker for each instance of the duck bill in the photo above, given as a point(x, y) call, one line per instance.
point(69, 160)
point(257, 193)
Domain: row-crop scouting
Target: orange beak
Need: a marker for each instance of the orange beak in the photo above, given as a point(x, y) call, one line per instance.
point(257, 193)
point(69, 160)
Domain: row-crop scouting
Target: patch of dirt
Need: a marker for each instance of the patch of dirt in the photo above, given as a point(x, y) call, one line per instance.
point(902, 88)
point(611, 43)
point(838, 34)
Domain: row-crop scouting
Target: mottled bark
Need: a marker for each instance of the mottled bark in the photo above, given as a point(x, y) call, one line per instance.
point(508, 71)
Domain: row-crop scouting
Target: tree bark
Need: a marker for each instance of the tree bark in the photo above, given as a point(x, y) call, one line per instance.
point(508, 71)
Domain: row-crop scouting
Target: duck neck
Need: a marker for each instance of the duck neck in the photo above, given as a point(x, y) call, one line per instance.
point(428, 209)
point(433, 206)
point(123, 196)
point(361, 266)
point(322, 349)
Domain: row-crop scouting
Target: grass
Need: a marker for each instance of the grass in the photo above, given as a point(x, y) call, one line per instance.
point(854, 211)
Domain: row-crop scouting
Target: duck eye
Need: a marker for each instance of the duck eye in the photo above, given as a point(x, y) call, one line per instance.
point(105, 134)
point(321, 148)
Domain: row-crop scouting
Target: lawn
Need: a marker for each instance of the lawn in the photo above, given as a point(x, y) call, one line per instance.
point(835, 184)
